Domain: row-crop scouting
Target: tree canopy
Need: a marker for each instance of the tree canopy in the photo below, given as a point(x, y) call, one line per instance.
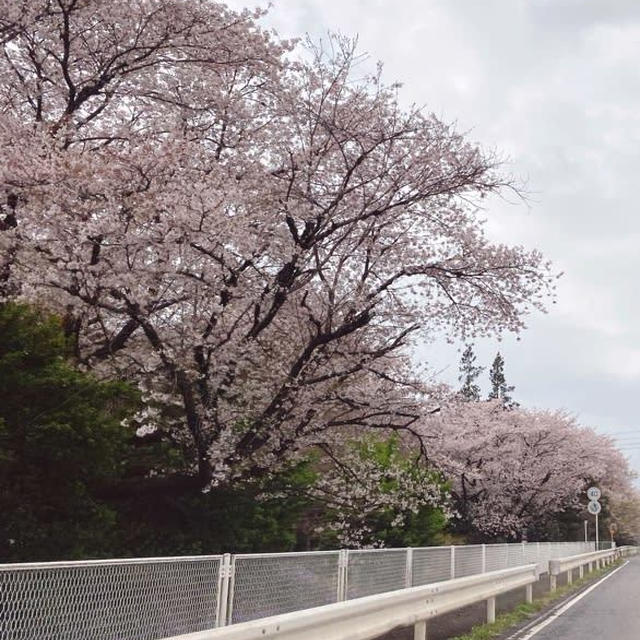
point(253, 238)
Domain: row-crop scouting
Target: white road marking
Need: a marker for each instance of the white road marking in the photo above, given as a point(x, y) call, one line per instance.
point(567, 605)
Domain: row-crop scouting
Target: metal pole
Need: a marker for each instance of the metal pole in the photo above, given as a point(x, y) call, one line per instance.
point(409, 569)
point(225, 590)
point(586, 537)
point(453, 562)
point(597, 540)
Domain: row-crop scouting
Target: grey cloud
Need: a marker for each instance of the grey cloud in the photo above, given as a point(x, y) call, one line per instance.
point(555, 85)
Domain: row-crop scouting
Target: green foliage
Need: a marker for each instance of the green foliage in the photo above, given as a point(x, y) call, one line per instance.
point(223, 520)
point(378, 518)
point(62, 442)
point(60, 435)
point(427, 524)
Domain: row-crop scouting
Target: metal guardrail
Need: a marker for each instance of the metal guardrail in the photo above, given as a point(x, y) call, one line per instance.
point(568, 564)
point(627, 550)
point(151, 598)
point(372, 616)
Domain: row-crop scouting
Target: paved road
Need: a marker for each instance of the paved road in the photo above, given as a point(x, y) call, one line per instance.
point(610, 611)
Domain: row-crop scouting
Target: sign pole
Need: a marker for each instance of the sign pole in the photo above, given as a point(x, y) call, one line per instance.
point(594, 507)
point(586, 536)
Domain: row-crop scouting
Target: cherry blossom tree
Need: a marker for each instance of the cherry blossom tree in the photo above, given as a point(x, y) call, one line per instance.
point(511, 470)
point(256, 238)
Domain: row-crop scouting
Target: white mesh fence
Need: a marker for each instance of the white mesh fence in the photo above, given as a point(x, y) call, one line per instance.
point(152, 598)
point(468, 560)
point(375, 571)
point(140, 599)
point(431, 564)
point(531, 555)
point(268, 584)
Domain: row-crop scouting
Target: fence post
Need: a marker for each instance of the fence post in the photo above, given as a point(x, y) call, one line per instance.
point(225, 590)
point(408, 572)
point(343, 564)
point(453, 562)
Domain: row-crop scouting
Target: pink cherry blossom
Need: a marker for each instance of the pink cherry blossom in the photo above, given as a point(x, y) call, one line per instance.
point(254, 237)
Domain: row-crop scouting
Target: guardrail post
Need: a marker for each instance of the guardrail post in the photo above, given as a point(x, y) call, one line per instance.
point(529, 594)
point(224, 596)
point(408, 572)
point(553, 584)
point(570, 576)
point(581, 571)
point(420, 630)
point(453, 562)
point(491, 610)
point(484, 558)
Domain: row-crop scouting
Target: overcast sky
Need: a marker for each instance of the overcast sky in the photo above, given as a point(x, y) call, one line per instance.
point(554, 85)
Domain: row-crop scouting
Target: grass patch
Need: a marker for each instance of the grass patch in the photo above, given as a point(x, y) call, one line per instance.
point(525, 611)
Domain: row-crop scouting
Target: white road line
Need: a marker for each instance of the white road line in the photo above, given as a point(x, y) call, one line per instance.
point(567, 605)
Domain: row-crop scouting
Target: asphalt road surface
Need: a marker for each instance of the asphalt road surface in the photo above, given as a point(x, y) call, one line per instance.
point(609, 610)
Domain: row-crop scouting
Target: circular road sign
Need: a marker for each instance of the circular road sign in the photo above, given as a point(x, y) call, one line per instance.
point(594, 507)
point(593, 493)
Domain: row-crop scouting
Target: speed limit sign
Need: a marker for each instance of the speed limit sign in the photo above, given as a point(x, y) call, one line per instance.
point(594, 507)
point(593, 493)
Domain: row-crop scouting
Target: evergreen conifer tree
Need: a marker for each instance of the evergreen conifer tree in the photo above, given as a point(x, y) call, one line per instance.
point(469, 373)
point(500, 390)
